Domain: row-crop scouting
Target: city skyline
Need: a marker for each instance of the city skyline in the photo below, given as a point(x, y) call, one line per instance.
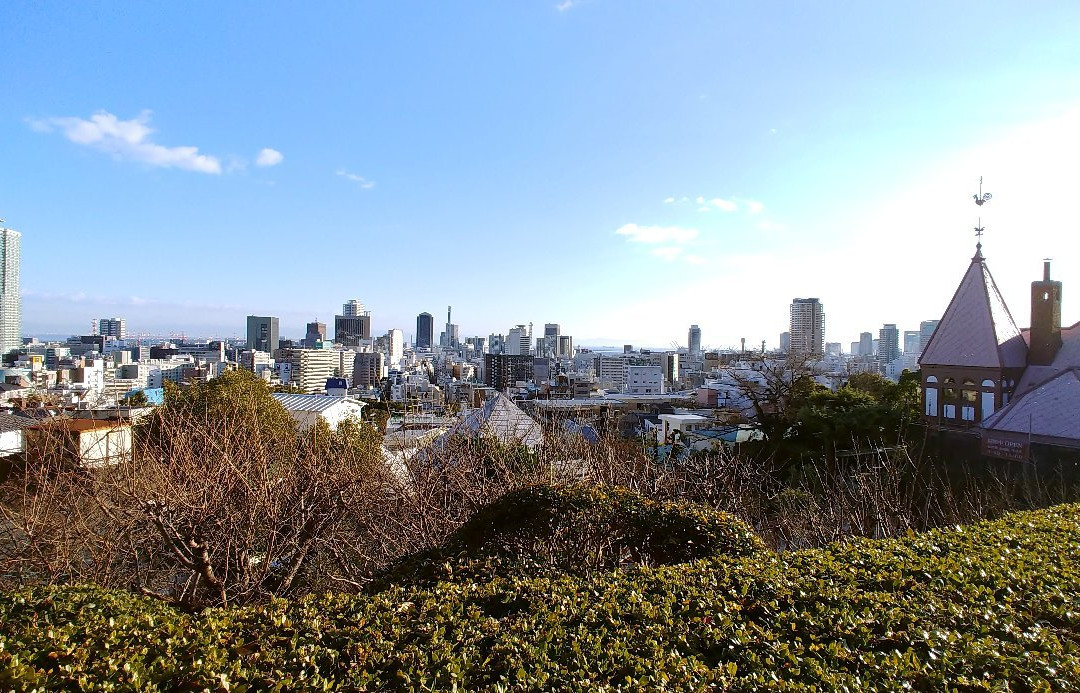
point(748, 156)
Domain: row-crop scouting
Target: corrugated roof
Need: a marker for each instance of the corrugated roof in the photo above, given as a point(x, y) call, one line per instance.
point(315, 403)
point(1051, 409)
point(977, 329)
point(501, 418)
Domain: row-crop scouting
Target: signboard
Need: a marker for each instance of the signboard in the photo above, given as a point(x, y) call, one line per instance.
point(1005, 448)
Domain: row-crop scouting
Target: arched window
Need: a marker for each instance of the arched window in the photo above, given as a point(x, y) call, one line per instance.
point(968, 396)
point(949, 396)
point(930, 395)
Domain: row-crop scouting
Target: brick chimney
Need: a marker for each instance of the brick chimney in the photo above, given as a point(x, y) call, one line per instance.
point(1045, 320)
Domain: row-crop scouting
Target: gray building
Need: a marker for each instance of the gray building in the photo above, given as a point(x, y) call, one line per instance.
point(112, 327)
point(888, 344)
point(693, 340)
point(10, 299)
point(262, 333)
point(425, 331)
point(807, 327)
point(866, 344)
point(926, 331)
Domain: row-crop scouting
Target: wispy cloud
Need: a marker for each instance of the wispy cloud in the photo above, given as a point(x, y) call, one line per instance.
point(656, 234)
point(565, 5)
point(667, 252)
point(127, 140)
point(359, 180)
point(269, 157)
point(723, 204)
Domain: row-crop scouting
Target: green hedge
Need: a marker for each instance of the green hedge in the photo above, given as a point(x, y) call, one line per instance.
point(575, 529)
point(992, 606)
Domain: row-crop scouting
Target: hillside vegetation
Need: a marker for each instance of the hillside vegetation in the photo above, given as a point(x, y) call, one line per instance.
point(498, 606)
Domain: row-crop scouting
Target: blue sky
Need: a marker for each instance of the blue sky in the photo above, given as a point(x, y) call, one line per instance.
point(622, 168)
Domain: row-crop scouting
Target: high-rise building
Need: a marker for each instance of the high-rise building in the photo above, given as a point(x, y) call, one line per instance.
point(425, 331)
point(926, 331)
point(785, 342)
point(396, 346)
point(888, 344)
point(566, 346)
point(518, 341)
point(262, 333)
point(353, 325)
point(112, 327)
point(316, 332)
point(549, 346)
point(866, 344)
point(911, 342)
point(451, 336)
point(693, 340)
point(353, 308)
point(807, 327)
point(10, 299)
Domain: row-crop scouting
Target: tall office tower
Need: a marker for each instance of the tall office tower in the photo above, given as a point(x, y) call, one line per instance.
point(353, 325)
point(552, 331)
point(353, 308)
point(425, 331)
point(566, 346)
point(396, 346)
point(693, 340)
point(785, 342)
point(112, 327)
point(807, 327)
point(888, 344)
point(866, 344)
point(262, 333)
point(316, 332)
point(10, 300)
point(518, 341)
point(926, 331)
point(451, 336)
point(911, 342)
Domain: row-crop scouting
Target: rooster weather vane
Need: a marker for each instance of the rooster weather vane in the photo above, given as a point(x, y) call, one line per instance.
point(981, 198)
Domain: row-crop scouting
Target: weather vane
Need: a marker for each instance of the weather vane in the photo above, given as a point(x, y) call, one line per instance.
point(978, 234)
point(981, 198)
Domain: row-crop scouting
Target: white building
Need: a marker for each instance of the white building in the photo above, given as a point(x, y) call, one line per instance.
point(306, 409)
point(10, 299)
point(645, 380)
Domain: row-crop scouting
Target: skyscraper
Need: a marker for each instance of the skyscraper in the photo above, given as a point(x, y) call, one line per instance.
point(10, 300)
point(807, 327)
point(888, 344)
point(926, 331)
point(425, 331)
point(911, 342)
point(316, 332)
point(866, 344)
point(353, 325)
point(693, 340)
point(112, 327)
point(262, 333)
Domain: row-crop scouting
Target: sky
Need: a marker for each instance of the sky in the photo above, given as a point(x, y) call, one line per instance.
point(624, 168)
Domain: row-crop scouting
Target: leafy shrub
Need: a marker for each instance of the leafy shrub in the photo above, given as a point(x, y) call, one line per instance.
point(579, 529)
point(991, 606)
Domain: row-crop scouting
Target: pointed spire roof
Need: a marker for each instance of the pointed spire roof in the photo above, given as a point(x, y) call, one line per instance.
point(977, 329)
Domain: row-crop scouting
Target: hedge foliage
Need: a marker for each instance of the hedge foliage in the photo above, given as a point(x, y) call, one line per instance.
point(576, 529)
point(991, 606)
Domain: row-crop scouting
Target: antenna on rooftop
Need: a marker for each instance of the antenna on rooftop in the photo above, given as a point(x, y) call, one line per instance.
point(981, 198)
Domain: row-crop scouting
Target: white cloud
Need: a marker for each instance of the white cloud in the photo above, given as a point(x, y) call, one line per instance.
point(564, 5)
point(128, 140)
point(269, 157)
point(656, 234)
point(359, 180)
point(753, 206)
point(668, 252)
point(724, 205)
point(669, 200)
